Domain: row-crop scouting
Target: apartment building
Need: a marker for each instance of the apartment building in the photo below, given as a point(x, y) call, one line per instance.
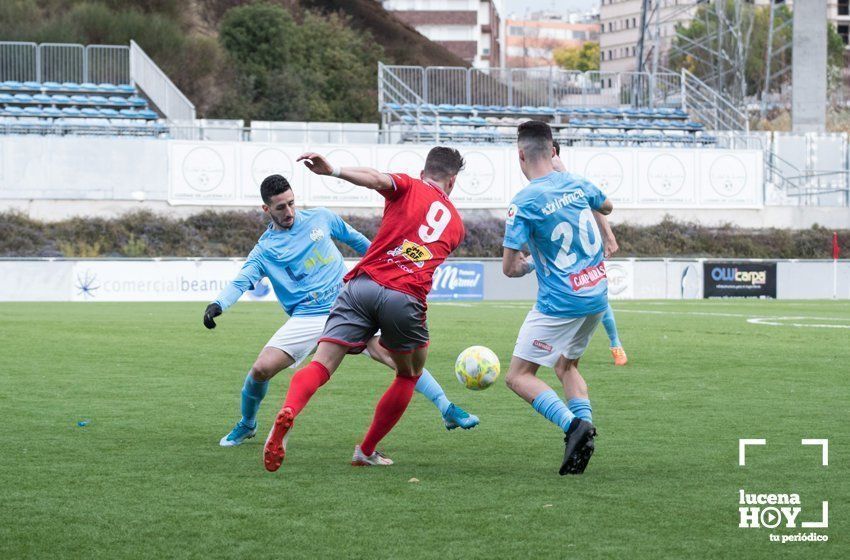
point(471, 29)
point(531, 42)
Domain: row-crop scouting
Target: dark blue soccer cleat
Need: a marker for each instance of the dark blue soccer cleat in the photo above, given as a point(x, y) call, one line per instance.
point(456, 417)
point(578, 446)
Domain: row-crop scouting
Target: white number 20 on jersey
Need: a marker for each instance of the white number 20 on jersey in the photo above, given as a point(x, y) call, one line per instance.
point(586, 228)
point(436, 221)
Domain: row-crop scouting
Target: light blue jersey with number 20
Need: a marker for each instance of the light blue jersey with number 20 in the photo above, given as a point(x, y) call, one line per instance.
point(553, 217)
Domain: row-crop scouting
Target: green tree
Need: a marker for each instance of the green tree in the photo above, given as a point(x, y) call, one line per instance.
point(320, 69)
point(583, 58)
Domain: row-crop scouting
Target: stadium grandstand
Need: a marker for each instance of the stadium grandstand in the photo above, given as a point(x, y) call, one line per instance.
point(117, 90)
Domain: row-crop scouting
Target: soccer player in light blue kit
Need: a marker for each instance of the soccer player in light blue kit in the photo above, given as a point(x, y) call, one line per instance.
point(609, 247)
point(553, 217)
point(305, 268)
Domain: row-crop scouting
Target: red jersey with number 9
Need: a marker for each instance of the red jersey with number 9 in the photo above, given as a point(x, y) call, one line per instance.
point(420, 228)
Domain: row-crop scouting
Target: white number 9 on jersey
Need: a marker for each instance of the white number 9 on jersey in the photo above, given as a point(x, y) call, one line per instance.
point(436, 221)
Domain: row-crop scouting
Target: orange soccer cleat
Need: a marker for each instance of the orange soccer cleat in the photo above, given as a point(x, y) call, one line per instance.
point(275, 448)
point(620, 358)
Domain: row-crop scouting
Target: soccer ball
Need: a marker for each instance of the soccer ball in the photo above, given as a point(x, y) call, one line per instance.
point(477, 368)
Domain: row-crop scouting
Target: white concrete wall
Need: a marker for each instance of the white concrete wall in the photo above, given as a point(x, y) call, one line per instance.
point(201, 280)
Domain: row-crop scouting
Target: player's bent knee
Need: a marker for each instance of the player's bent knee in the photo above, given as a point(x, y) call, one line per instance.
point(263, 371)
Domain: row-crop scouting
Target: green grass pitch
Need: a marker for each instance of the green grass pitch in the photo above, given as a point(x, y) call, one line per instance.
point(146, 477)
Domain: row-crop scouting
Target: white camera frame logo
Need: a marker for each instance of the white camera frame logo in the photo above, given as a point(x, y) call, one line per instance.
point(781, 507)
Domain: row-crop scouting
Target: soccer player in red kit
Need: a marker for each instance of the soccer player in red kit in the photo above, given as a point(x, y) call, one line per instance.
point(386, 291)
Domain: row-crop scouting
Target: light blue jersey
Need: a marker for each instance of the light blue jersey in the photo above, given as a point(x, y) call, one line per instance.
point(302, 263)
point(553, 217)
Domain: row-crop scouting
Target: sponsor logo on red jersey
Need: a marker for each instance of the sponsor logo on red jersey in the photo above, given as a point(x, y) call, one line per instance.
point(588, 277)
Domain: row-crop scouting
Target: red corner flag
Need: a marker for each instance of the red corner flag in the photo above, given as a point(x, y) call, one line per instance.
point(835, 249)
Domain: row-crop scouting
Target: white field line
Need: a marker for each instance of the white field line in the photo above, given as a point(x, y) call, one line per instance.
point(754, 320)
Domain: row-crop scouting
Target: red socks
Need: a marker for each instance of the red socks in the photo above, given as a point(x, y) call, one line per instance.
point(304, 383)
point(390, 408)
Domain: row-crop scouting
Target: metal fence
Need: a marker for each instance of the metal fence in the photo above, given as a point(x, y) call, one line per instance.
point(63, 62)
point(19, 61)
point(545, 86)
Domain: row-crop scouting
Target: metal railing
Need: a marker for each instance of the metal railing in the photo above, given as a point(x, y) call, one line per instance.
point(108, 64)
point(710, 107)
point(146, 75)
point(63, 62)
point(19, 61)
point(544, 86)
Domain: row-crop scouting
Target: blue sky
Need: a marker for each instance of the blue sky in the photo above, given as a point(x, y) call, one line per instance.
point(520, 6)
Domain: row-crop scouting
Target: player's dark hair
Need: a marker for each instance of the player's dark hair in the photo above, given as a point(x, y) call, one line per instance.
point(443, 163)
point(273, 185)
point(557, 147)
point(535, 139)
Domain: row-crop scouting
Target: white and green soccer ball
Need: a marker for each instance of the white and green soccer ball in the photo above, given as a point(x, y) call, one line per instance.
point(477, 368)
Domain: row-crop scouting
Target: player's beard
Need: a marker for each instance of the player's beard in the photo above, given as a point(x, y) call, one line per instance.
point(280, 224)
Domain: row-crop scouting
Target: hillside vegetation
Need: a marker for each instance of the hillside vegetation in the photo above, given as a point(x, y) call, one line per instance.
point(265, 60)
point(233, 234)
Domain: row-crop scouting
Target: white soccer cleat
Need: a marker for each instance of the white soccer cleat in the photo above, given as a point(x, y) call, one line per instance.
point(376, 459)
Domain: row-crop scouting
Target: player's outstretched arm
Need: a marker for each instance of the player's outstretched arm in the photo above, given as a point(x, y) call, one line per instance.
point(251, 273)
point(515, 264)
point(360, 176)
point(342, 231)
point(609, 241)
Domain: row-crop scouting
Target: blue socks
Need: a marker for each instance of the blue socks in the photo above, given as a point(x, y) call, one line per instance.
point(581, 408)
point(611, 327)
point(253, 392)
point(429, 387)
point(550, 405)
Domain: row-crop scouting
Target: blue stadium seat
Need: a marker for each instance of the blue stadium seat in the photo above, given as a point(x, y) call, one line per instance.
point(118, 101)
point(407, 119)
point(80, 99)
point(52, 112)
point(108, 88)
point(88, 86)
point(148, 114)
point(13, 85)
point(547, 110)
point(23, 98)
point(459, 120)
point(52, 86)
point(33, 112)
point(60, 99)
point(70, 86)
point(7, 98)
point(478, 121)
point(481, 108)
point(90, 112)
point(513, 109)
point(13, 111)
point(429, 107)
point(462, 108)
point(32, 85)
point(530, 109)
point(98, 100)
point(136, 101)
point(71, 112)
point(42, 98)
point(109, 113)
point(126, 88)
point(446, 107)
point(497, 109)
